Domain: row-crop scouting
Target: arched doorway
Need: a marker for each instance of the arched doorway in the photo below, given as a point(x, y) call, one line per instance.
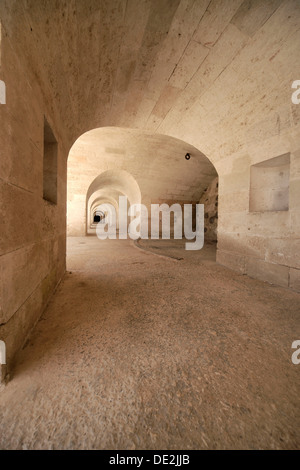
point(105, 163)
point(107, 188)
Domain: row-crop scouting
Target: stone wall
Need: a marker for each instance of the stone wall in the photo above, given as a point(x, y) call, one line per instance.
point(210, 201)
point(264, 244)
point(32, 234)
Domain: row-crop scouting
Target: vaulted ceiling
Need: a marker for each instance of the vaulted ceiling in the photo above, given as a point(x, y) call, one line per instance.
point(207, 72)
point(157, 163)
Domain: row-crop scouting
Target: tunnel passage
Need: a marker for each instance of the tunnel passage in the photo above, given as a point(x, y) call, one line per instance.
point(107, 163)
point(106, 189)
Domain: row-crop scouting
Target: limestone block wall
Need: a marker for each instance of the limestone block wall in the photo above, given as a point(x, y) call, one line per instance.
point(210, 201)
point(263, 243)
point(32, 230)
point(157, 163)
point(76, 216)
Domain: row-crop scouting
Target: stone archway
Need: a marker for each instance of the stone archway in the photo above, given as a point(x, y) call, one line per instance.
point(148, 168)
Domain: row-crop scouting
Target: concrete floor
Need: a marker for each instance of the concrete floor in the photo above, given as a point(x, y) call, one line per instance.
point(138, 351)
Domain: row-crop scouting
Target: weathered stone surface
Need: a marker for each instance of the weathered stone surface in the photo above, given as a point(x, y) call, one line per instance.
point(232, 260)
point(273, 273)
point(295, 279)
point(108, 369)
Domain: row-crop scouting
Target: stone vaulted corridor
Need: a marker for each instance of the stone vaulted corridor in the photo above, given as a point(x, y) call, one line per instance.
point(149, 224)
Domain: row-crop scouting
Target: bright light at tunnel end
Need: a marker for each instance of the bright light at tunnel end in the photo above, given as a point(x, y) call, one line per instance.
point(139, 220)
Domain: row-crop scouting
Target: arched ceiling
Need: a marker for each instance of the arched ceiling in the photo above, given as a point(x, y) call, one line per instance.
point(213, 73)
point(156, 164)
point(105, 194)
point(116, 180)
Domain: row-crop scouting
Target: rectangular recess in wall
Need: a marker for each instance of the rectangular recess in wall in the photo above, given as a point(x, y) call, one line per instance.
point(49, 164)
point(269, 185)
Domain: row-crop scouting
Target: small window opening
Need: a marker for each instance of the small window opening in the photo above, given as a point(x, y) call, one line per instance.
point(269, 185)
point(49, 165)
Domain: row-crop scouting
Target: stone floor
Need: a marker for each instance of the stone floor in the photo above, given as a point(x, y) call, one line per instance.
point(139, 351)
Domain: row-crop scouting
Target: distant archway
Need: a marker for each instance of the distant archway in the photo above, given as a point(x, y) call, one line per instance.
point(106, 189)
point(108, 162)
